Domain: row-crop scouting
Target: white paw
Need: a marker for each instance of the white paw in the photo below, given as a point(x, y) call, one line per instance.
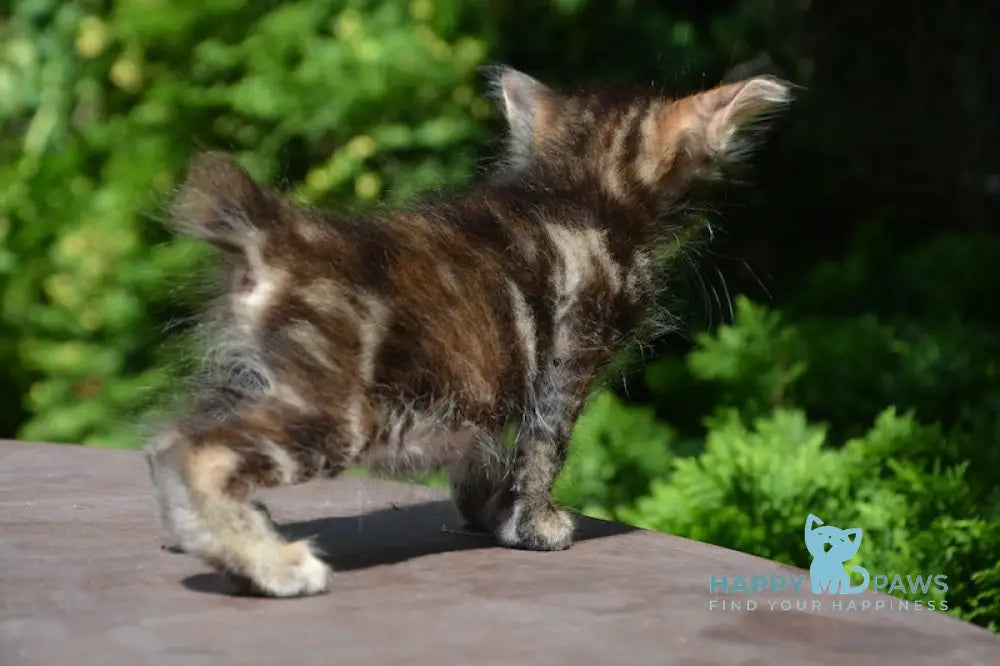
point(545, 528)
point(295, 572)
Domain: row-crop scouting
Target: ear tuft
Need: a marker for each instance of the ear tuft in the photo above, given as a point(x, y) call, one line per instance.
point(520, 92)
point(218, 200)
point(520, 97)
point(739, 106)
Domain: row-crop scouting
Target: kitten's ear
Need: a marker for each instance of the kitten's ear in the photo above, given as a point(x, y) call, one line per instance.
point(812, 520)
point(521, 100)
point(722, 115)
point(219, 202)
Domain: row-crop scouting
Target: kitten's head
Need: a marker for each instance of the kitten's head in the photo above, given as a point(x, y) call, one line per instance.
point(634, 144)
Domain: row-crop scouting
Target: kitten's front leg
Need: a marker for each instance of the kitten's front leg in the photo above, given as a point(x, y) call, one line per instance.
point(523, 516)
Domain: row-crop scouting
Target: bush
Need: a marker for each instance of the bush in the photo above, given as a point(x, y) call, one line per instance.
point(903, 443)
point(353, 101)
point(618, 450)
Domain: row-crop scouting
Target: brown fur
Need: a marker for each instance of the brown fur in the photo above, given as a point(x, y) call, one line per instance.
point(416, 338)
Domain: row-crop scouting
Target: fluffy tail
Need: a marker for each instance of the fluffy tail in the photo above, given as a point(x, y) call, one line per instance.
point(864, 586)
point(221, 204)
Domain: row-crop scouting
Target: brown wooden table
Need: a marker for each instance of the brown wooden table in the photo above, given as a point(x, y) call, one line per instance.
point(84, 582)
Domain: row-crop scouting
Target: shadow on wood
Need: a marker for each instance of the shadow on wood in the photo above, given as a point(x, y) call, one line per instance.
point(391, 536)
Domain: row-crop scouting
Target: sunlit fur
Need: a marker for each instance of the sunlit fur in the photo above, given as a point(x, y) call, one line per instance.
point(415, 339)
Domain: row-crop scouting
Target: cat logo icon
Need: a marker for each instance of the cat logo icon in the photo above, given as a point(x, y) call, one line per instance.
point(830, 547)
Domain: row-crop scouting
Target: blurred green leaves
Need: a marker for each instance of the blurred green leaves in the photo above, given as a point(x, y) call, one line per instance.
point(101, 107)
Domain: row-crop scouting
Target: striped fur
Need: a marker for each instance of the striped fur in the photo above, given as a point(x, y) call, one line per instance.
point(412, 339)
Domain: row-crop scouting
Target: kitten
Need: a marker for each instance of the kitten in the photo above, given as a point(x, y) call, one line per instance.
point(415, 339)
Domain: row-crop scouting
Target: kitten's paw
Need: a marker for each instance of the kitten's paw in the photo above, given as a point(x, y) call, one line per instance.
point(536, 528)
point(293, 572)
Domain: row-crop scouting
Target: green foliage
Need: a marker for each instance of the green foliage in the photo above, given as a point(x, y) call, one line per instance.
point(888, 427)
point(754, 362)
point(750, 488)
point(618, 450)
point(101, 108)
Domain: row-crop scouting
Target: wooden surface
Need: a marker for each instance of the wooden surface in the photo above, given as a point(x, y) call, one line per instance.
point(83, 581)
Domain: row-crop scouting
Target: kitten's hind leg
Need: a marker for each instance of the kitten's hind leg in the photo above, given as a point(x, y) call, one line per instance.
point(475, 480)
point(204, 477)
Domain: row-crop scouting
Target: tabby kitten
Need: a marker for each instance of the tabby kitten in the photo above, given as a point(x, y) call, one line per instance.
point(417, 338)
